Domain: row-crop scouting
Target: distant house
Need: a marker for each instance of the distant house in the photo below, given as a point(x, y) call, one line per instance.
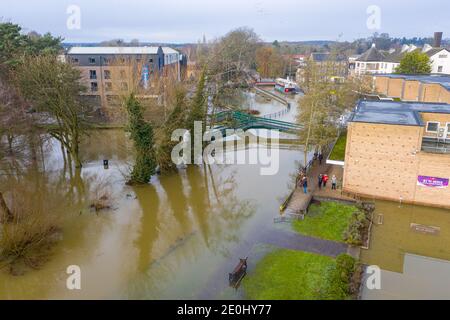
point(374, 61)
point(330, 65)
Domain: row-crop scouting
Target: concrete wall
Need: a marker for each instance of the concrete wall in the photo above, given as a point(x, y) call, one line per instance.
point(384, 161)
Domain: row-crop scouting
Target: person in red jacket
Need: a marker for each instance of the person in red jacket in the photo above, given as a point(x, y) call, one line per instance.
point(324, 180)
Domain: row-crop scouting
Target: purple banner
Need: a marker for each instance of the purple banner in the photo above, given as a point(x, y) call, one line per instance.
point(432, 182)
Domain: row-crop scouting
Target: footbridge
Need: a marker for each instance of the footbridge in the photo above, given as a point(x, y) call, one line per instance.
point(240, 120)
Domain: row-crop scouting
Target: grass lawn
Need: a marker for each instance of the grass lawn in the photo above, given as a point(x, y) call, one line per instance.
point(338, 152)
point(288, 275)
point(327, 221)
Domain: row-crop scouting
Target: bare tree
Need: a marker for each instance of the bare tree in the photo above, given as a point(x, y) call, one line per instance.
point(54, 88)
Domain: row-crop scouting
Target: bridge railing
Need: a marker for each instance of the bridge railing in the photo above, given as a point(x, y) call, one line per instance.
point(248, 120)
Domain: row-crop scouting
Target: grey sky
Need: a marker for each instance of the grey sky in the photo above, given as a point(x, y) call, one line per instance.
point(187, 20)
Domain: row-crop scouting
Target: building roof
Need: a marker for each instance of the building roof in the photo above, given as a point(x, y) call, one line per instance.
point(398, 54)
point(443, 80)
point(326, 56)
point(396, 113)
point(113, 50)
point(371, 55)
point(168, 50)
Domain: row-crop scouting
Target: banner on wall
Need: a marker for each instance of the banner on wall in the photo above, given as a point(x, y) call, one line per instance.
point(432, 182)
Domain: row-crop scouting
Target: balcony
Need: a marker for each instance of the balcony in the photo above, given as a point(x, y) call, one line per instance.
point(434, 145)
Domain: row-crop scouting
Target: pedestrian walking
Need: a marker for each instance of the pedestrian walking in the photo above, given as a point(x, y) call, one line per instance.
point(320, 158)
point(305, 185)
point(333, 182)
point(325, 180)
point(320, 181)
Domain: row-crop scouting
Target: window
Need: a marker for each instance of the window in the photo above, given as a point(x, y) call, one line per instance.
point(92, 60)
point(442, 56)
point(123, 74)
point(106, 60)
point(432, 126)
point(440, 68)
point(150, 60)
point(107, 74)
point(94, 86)
point(124, 86)
point(108, 86)
point(75, 60)
point(92, 74)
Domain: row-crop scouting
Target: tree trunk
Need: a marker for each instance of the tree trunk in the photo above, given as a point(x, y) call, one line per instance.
point(5, 210)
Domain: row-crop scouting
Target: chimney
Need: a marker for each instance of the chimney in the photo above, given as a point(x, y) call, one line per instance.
point(437, 39)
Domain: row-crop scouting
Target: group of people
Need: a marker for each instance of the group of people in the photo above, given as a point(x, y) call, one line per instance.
point(323, 180)
point(318, 156)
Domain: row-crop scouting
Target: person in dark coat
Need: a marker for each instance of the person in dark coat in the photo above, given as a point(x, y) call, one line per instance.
point(305, 185)
point(320, 158)
point(320, 181)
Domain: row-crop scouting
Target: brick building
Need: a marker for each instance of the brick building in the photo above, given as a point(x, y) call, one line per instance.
point(420, 88)
point(399, 151)
point(104, 69)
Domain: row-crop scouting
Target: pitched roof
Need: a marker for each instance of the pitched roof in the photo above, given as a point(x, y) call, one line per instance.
point(326, 56)
point(397, 55)
point(371, 55)
point(433, 51)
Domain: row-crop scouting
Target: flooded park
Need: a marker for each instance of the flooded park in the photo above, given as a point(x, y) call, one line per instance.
point(179, 236)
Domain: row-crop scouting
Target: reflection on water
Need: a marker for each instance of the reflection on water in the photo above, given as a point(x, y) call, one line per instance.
point(174, 238)
point(395, 237)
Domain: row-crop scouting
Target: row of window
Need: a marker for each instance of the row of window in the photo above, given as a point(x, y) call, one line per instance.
point(108, 86)
point(108, 60)
point(107, 74)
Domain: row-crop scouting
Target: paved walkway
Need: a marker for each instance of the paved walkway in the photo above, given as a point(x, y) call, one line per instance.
point(300, 201)
point(295, 241)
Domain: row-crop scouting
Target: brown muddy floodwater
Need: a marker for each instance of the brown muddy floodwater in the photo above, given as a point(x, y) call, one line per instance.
point(177, 237)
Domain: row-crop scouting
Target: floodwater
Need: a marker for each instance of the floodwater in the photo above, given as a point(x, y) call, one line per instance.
point(410, 244)
point(176, 238)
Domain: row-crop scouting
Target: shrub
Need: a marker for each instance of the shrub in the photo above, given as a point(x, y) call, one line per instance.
point(338, 276)
point(358, 224)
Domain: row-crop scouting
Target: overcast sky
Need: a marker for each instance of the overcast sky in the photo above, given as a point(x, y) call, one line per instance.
point(188, 20)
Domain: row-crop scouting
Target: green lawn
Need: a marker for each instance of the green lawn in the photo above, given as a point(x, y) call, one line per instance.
point(288, 275)
point(338, 152)
point(327, 221)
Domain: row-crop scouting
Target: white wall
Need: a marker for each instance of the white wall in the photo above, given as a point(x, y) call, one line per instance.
point(442, 58)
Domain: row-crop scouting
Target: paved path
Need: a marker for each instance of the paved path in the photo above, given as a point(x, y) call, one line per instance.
point(300, 201)
point(295, 241)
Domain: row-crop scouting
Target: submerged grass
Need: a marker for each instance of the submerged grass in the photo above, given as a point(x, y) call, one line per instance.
point(328, 221)
point(295, 275)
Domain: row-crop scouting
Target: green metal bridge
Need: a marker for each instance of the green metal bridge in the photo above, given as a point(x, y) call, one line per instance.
point(239, 120)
